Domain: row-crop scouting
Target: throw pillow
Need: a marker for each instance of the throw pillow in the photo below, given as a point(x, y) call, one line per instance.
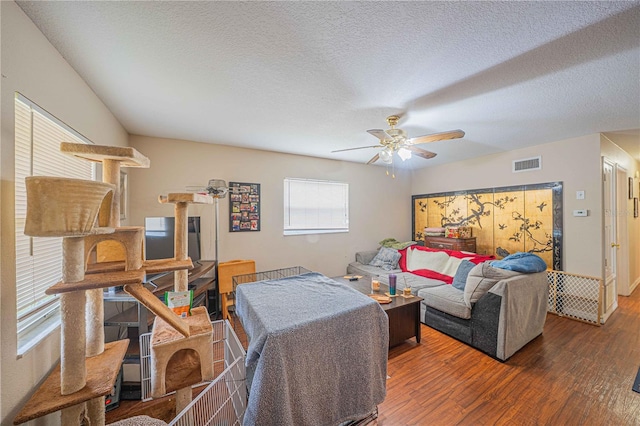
point(480, 280)
point(460, 278)
point(386, 259)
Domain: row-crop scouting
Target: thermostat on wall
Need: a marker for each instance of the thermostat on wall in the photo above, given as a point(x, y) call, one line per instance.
point(581, 212)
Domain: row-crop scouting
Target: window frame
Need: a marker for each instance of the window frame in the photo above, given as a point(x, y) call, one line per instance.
point(328, 218)
point(36, 134)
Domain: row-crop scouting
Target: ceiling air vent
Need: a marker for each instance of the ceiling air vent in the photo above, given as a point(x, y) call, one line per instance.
point(527, 164)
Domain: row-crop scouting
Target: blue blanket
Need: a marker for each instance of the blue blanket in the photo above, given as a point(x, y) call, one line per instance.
point(521, 262)
point(317, 351)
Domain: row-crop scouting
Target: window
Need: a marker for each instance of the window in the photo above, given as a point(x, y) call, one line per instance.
point(315, 206)
point(39, 260)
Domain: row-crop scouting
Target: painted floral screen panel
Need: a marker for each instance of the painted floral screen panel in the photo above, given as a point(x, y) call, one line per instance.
point(504, 220)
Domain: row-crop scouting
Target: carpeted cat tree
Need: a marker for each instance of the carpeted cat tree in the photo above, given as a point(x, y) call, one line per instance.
point(87, 214)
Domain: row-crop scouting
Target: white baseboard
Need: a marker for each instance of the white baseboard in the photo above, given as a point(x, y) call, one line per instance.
point(634, 285)
point(606, 315)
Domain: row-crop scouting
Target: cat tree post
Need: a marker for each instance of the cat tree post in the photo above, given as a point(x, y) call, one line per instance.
point(72, 307)
point(181, 278)
point(203, 340)
point(184, 396)
point(95, 301)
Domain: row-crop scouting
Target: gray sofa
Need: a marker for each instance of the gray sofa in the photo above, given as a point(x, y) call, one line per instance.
point(498, 312)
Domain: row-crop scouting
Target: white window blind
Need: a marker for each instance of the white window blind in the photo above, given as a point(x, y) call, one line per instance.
point(315, 206)
point(39, 260)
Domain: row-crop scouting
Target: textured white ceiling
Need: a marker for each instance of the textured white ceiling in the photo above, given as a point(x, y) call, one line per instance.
point(311, 77)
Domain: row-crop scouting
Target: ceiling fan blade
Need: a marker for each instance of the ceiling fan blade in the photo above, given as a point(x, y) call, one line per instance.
point(360, 147)
point(379, 133)
point(452, 134)
point(374, 159)
point(193, 188)
point(420, 152)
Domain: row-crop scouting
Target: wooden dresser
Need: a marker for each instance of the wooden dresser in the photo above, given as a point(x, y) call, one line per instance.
point(459, 244)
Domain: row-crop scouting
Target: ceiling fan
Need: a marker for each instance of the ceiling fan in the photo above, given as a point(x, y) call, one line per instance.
point(395, 140)
point(217, 188)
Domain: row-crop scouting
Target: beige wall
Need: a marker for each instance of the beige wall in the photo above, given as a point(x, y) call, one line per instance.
point(31, 66)
point(575, 162)
point(617, 155)
point(379, 205)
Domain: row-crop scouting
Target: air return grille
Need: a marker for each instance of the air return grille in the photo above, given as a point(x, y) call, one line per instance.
point(527, 164)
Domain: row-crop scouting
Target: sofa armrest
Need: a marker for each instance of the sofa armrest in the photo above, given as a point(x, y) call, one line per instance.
point(523, 311)
point(365, 257)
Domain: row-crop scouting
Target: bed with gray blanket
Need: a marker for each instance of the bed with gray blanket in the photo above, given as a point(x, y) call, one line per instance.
point(317, 351)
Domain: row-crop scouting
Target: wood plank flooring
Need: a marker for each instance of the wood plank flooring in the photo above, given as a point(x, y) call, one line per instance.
point(574, 374)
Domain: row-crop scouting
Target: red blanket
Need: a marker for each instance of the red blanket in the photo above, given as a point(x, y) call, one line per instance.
point(441, 275)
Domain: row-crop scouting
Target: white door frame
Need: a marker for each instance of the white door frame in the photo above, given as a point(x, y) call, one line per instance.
point(609, 249)
point(622, 231)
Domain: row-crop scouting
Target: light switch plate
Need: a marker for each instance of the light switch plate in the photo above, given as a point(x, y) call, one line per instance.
point(579, 195)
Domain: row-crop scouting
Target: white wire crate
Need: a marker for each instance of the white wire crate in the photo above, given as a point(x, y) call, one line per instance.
point(224, 400)
point(268, 275)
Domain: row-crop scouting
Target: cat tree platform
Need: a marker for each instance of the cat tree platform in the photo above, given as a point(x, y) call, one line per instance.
point(166, 265)
point(185, 197)
point(126, 156)
point(102, 371)
point(103, 280)
point(154, 266)
point(64, 207)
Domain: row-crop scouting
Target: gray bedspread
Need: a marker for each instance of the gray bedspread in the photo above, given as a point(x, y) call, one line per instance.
point(317, 351)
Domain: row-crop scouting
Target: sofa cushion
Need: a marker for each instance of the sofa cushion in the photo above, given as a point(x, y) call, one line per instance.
point(480, 280)
point(447, 299)
point(387, 259)
point(357, 268)
point(407, 279)
point(365, 257)
point(460, 278)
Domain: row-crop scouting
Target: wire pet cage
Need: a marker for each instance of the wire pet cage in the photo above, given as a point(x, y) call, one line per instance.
point(261, 276)
point(224, 400)
point(268, 275)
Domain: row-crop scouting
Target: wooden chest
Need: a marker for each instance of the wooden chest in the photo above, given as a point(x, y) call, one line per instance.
point(459, 244)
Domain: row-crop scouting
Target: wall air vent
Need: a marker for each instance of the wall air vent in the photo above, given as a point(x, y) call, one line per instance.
point(527, 164)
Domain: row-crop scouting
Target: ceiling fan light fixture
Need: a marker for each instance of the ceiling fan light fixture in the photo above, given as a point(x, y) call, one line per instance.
point(386, 155)
point(217, 188)
point(404, 154)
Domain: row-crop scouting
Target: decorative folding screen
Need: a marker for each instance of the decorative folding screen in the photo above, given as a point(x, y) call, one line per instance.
point(503, 220)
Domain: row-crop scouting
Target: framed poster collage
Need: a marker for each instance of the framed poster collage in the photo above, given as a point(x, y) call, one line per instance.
point(244, 207)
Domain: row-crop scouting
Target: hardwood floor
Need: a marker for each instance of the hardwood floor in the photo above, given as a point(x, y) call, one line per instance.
point(574, 374)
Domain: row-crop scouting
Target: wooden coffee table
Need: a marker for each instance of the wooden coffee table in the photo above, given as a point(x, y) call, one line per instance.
point(403, 313)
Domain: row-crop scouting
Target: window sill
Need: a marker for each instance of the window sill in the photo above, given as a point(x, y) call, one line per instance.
point(30, 339)
point(314, 231)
